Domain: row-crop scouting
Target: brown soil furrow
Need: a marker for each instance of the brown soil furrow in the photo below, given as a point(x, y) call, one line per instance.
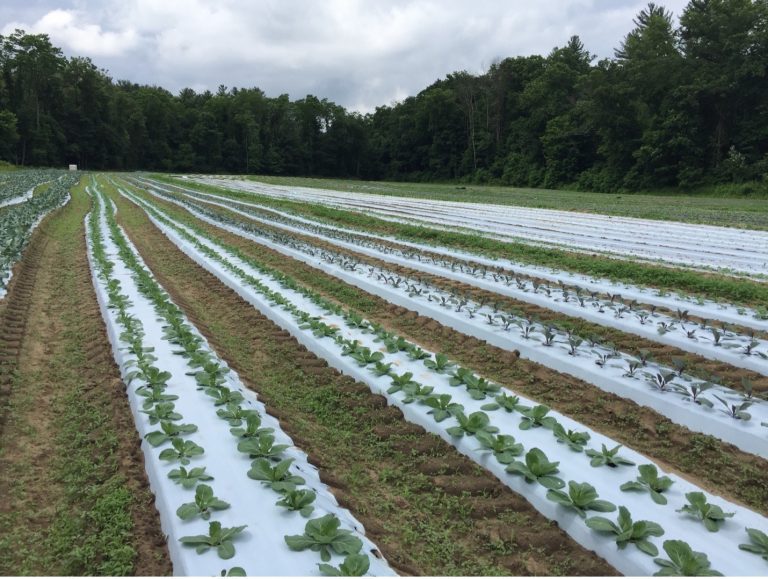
point(55, 360)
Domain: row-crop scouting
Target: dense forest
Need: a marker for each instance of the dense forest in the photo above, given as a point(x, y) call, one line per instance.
point(677, 106)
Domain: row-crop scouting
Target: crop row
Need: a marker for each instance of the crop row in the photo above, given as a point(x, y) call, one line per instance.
point(210, 399)
point(679, 329)
point(469, 411)
point(18, 222)
point(678, 243)
point(548, 282)
point(700, 405)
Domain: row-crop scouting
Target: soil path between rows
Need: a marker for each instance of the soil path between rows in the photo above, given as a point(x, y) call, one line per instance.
point(76, 497)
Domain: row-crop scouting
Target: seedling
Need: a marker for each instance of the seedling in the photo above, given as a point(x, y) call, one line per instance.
point(441, 363)
point(536, 417)
point(712, 516)
point(162, 411)
point(204, 503)
point(575, 440)
point(277, 477)
point(324, 536)
point(607, 457)
point(218, 537)
point(442, 407)
point(352, 566)
point(737, 412)
point(252, 428)
point(182, 451)
point(684, 562)
point(505, 401)
point(758, 543)
point(503, 446)
point(537, 468)
point(471, 425)
point(649, 480)
point(581, 497)
point(298, 500)
point(189, 478)
point(627, 532)
point(262, 447)
point(168, 431)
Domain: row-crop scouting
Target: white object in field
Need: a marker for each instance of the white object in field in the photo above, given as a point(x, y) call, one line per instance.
point(73, 167)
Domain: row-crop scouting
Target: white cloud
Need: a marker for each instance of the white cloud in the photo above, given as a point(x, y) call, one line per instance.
point(359, 53)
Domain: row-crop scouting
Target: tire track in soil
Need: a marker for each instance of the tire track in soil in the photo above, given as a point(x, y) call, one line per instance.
point(53, 344)
point(502, 530)
point(740, 477)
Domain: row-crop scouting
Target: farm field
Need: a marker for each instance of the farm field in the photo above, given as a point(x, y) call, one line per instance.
point(201, 375)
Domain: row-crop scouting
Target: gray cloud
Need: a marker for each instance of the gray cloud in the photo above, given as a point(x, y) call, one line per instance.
point(358, 53)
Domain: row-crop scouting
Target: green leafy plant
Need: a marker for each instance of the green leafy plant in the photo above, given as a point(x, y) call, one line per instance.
point(503, 446)
point(575, 440)
point(204, 503)
point(606, 457)
point(736, 411)
point(649, 480)
point(626, 531)
point(712, 516)
point(277, 477)
point(182, 451)
point(298, 500)
point(234, 572)
point(168, 431)
point(537, 468)
point(400, 382)
point(154, 395)
point(758, 543)
point(581, 497)
point(218, 537)
point(505, 401)
point(536, 417)
point(235, 414)
point(162, 411)
point(323, 535)
point(471, 425)
point(684, 562)
point(252, 428)
point(442, 407)
point(353, 566)
point(441, 363)
point(189, 478)
point(262, 447)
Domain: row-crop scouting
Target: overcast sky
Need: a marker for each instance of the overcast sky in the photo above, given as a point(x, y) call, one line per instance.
point(358, 53)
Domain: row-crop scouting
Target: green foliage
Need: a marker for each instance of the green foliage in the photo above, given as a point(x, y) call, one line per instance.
point(649, 480)
point(537, 468)
point(711, 515)
point(580, 497)
point(352, 566)
point(323, 535)
point(684, 562)
point(758, 543)
point(204, 503)
point(218, 537)
point(626, 531)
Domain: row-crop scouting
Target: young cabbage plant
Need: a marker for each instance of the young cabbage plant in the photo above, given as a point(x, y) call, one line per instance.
point(684, 562)
point(381, 369)
point(353, 566)
point(735, 411)
point(537, 468)
point(536, 417)
point(235, 414)
point(154, 395)
point(712, 516)
point(503, 446)
point(471, 425)
point(189, 478)
point(252, 428)
point(758, 543)
point(323, 535)
point(581, 497)
point(277, 477)
point(440, 364)
point(224, 396)
point(505, 401)
point(168, 431)
point(576, 441)
point(218, 537)
point(442, 407)
point(694, 391)
point(606, 457)
point(299, 500)
point(205, 502)
point(234, 572)
point(262, 447)
point(364, 356)
point(626, 531)
point(416, 392)
point(162, 411)
point(400, 382)
point(183, 451)
point(649, 480)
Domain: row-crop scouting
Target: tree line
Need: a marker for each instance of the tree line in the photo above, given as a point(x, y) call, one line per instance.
point(679, 105)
